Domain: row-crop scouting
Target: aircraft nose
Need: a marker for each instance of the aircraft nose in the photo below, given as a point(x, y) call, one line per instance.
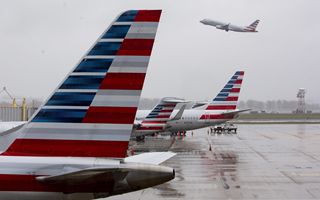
point(202, 21)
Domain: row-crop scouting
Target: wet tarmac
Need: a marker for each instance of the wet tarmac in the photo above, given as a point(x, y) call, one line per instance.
point(260, 162)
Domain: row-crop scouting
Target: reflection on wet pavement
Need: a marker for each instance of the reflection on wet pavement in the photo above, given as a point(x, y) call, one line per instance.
point(260, 162)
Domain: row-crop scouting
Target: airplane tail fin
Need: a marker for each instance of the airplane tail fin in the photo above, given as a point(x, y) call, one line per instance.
point(91, 113)
point(160, 114)
point(254, 25)
point(228, 97)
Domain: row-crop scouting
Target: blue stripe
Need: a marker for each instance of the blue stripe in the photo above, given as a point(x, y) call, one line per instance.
point(82, 82)
point(71, 99)
point(94, 65)
point(117, 31)
point(223, 94)
point(228, 86)
point(105, 48)
point(60, 115)
point(225, 90)
point(234, 77)
point(219, 99)
point(237, 73)
point(151, 116)
point(128, 16)
point(231, 82)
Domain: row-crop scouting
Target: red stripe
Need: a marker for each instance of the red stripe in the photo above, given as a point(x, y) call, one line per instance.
point(13, 182)
point(239, 81)
point(221, 107)
point(153, 122)
point(232, 99)
point(123, 81)
point(76, 148)
point(216, 116)
point(235, 90)
point(241, 72)
point(22, 182)
point(136, 47)
point(112, 115)
point(148, 16)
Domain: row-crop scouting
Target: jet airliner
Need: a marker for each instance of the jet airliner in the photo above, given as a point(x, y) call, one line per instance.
point(221, 109)
point(230, 27)
point(75, 146)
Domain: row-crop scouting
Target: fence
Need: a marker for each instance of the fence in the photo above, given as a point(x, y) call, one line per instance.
point(16, 113)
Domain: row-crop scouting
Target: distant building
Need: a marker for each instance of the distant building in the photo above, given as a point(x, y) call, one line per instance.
point(301, 101)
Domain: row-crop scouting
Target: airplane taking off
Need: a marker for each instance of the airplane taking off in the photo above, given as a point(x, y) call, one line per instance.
point(229, 27)
point(220, 110)
point(74, 147)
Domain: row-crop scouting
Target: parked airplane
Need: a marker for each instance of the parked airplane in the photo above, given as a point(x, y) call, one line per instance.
point(156, 120)
point(75, 145)
point(220, 110)
point(229, 27)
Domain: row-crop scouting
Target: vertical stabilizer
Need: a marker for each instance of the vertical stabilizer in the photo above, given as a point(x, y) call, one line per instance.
point(91, 113)
point(227, 98)
point(252, 27)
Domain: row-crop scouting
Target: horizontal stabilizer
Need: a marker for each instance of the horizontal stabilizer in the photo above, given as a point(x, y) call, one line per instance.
point(235, 112)
point(154, 158)
point(199, 104)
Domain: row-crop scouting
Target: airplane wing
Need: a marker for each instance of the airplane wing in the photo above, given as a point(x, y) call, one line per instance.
point(199, 104)
point(224, 27)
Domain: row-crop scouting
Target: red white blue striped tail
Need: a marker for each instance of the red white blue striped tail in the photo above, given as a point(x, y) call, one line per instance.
point(92, 111)
point(227, 98)
point(160, 114)
point(253, 26)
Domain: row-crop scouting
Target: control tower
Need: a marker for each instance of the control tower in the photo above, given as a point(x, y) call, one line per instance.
point(301, 100)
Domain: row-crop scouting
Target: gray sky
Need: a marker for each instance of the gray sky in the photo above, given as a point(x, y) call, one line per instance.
point(41, 41)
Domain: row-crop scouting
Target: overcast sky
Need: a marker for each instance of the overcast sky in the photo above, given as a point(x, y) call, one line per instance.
point(41, 41)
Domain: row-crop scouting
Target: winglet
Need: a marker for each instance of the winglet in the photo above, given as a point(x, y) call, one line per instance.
point(180, 113)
